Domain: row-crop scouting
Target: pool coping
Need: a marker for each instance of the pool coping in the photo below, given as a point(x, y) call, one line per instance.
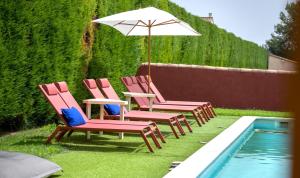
point(191, 167)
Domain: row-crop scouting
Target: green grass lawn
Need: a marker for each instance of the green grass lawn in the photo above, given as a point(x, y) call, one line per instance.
point(108, 156)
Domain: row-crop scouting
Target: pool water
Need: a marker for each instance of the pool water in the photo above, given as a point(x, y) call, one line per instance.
point(252, 147)
point(265, 154)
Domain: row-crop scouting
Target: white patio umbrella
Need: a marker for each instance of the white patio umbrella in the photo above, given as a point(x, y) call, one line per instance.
point(148, 22)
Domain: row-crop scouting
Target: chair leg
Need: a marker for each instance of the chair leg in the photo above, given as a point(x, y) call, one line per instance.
point(146, 141)
point(70, 133)
point(205, 115)
point(197, 117)
point(212, 110)
point(60, 135)
point(53, 134)
point(205, 112)
point(155, 139)
point(208, 110)
point(158, 132)
point(173, 130)
point(182, 132)
point(202, 115)
point(183, 119)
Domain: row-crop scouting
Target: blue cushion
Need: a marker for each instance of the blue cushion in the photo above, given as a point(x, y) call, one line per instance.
point(73, 116)
point(112, 109)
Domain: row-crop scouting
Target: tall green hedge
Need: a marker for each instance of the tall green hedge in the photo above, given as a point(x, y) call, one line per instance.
point(40, 42)
point(45, 41)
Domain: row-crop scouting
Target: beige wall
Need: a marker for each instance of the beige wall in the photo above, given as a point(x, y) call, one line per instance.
point(279, 63)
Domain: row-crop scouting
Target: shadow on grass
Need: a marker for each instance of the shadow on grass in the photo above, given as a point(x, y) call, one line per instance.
point(100, 148)
point(55, 175)
point(109, 142)
point(79, 143)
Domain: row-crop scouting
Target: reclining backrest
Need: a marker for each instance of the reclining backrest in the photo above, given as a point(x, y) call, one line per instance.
point(143, 80)
point(133, 86)
point(144, 85)
point(160, 98)
point(52, 95)
point(108, 90)
point(67, 97)
point(91, 86)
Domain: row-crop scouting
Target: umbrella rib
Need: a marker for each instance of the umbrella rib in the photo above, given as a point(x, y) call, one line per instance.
point(144, 23)
point(161, 24)
point(166, 23)
point(132, 24)
point(133, 27)
point(152, 23)
point(119, 23)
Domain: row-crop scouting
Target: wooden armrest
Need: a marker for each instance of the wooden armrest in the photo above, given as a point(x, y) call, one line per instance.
point(131, 94)
point(104, 101)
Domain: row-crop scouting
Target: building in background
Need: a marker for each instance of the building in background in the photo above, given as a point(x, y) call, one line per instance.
point(280, 63)
point(209, 18)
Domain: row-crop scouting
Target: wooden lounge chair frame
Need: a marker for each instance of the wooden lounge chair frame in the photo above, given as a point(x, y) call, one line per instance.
point(52, 95)
point(132, 86)
point(206, 106)
point(171, 119)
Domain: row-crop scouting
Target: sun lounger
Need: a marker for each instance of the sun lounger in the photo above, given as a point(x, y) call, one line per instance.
point(143, 103)
point(171, 119)
point(52, 95)
point(71, 102)
point(207, 106)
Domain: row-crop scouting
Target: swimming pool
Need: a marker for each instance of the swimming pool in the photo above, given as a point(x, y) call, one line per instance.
point(251, 147)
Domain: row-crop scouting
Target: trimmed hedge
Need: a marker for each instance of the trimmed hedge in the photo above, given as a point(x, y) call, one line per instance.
point(45, 41)
point(40, 42)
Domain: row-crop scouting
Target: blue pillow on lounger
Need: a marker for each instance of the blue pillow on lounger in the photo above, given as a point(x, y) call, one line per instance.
point(112, 109)
point(73, 116)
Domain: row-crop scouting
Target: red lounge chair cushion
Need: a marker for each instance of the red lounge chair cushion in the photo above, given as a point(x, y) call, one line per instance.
point(73, 116)
point(104, 83)
point(128, 81)
point(50, 89)
point(62, 86)
point(91, 83)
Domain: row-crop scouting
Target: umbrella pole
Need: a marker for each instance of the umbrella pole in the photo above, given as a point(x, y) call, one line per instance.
point(149, 54)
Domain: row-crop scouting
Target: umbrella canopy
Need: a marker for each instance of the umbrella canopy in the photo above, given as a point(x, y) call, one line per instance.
point(148, 22)
point(137, 22)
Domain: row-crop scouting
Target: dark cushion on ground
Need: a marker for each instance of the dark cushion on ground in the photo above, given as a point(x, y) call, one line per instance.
point(15, 165)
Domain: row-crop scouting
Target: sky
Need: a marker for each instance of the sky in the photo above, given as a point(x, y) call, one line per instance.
point(252, 20)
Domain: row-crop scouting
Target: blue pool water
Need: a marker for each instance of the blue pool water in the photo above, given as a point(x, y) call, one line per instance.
point(264, 155)
point(261, 151)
